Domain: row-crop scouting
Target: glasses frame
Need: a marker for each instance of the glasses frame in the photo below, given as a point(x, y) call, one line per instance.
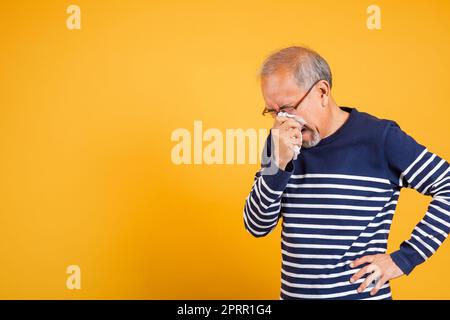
point(286, 107)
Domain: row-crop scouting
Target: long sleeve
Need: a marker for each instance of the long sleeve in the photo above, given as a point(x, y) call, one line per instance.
point(263, 204)
point(412, 165)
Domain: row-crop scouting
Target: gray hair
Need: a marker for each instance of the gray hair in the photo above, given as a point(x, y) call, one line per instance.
point(306, 65)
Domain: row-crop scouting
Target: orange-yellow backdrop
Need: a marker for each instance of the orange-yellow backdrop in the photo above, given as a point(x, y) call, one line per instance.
point(86, 117)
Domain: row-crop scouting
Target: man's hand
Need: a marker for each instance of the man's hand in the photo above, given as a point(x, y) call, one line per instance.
point(381, 267)
point(286, 133)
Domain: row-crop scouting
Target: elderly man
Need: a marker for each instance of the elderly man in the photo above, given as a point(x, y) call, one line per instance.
point(338, 196)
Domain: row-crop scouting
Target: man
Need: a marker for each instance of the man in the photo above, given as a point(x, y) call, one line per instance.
point(338, 196)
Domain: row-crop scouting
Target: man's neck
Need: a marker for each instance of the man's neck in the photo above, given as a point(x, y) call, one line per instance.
point(337, 119)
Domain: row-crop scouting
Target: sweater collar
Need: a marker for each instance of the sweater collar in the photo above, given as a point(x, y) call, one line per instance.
point(342, 129)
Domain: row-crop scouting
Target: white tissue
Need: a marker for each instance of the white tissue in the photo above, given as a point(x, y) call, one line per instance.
point(285, 114)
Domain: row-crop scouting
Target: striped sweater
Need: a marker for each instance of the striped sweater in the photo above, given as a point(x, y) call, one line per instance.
point(337, 201)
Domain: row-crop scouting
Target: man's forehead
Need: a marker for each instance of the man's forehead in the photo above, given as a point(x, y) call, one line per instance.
point(280, 90)
point(280, 81)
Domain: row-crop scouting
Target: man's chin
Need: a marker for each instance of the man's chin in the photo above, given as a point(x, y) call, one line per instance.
point(310, 140)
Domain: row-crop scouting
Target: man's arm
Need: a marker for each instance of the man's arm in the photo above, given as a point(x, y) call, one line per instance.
point(263, 204)
point(429, 174)
point(410, 164)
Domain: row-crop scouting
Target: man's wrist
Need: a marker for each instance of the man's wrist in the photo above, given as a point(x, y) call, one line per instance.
point(285, 166)
point(278, 178)
point(402, 262)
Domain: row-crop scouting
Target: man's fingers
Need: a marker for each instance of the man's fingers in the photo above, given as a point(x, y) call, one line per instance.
point(295, 139)
point(362, 260)
point(291, 124)
point(362, 272)
point(368, 280)
point(280, 120)
point(378, 286)
point(359, 274)
point(295, 132)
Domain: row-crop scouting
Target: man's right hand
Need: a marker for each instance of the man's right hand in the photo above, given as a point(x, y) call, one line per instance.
point(286, 133)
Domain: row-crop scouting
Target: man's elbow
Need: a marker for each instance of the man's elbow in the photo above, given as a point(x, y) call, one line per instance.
point(258, 235)
point(255, 233)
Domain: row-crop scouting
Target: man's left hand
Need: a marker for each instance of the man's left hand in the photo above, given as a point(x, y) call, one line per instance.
point(381, 267)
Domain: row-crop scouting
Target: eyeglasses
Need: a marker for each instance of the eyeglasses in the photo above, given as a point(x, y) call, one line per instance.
point(289, 109)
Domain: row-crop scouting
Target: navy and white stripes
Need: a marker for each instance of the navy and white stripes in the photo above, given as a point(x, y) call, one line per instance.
point(429, 174)
point(262, 208)
point(337, 201)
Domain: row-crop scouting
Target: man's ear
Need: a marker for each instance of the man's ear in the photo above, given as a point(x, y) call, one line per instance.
point(324, 92)
point(324, 88)
point(324, 100)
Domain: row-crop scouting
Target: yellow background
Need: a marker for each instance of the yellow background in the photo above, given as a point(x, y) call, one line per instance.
point(86, 117)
